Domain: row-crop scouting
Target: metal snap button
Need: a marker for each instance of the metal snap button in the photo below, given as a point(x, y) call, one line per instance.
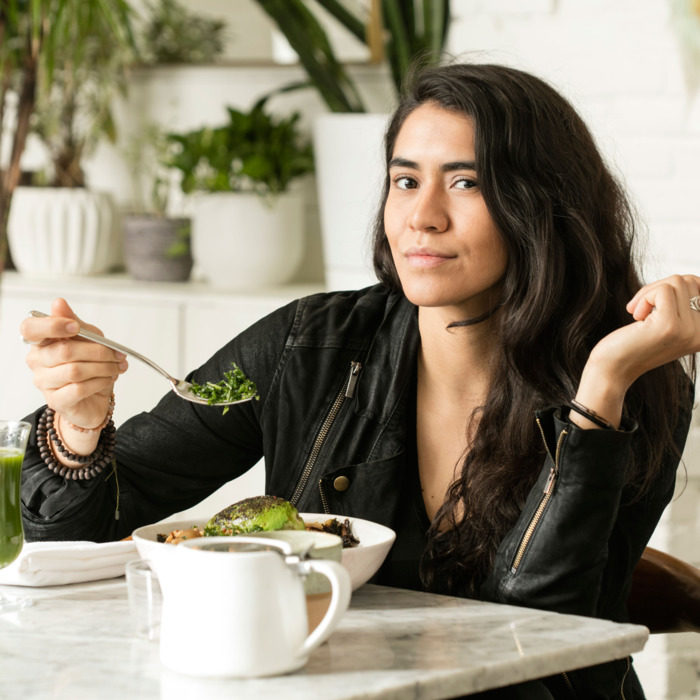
point(341, 483)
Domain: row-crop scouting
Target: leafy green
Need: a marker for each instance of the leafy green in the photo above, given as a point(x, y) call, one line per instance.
point(402, 34)
point(253, 152)
point(173, 34)
point(235, 386)
point(255, 514)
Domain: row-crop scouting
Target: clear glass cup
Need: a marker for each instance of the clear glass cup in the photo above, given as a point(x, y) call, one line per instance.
point(13, 443)
point(145, 598)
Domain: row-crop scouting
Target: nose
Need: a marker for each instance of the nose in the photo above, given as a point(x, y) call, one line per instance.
point(429, 213)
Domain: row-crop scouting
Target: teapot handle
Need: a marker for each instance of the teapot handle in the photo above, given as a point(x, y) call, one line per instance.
point(341, 590)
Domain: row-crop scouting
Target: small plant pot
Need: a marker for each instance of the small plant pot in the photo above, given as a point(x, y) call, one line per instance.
point(156, 248)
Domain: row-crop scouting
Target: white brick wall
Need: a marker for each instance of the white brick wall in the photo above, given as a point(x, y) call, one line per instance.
point(620, 63)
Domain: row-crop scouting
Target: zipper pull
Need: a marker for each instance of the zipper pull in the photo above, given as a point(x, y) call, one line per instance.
point(554, 471)
point(550, 481)
point(355, 368)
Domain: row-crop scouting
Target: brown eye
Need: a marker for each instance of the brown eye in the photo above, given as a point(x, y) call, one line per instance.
point(403, 182)
point(465, 183)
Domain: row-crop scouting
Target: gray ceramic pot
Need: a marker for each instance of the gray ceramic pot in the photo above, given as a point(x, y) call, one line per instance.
point(157, 248)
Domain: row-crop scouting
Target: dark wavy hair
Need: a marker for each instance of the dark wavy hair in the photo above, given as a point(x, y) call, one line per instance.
point(568, 229)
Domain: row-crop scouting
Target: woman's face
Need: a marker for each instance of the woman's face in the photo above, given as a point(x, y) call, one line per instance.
point(445, 245)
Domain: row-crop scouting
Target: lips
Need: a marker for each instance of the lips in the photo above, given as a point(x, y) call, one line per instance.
point(426, 257)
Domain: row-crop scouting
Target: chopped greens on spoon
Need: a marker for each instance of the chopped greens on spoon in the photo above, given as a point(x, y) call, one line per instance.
point(235, 386)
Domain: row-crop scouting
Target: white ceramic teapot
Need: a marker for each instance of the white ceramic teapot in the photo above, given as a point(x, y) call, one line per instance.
point(235, 606)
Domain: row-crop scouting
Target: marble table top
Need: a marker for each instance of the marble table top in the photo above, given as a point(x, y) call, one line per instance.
point(77, 642)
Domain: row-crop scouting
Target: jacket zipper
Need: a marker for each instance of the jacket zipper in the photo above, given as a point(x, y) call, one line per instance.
point(347, 392)
point(324, 500)
point(547, 495)
point(569, 684)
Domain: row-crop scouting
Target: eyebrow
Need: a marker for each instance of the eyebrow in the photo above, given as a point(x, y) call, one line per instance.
point(445, 167)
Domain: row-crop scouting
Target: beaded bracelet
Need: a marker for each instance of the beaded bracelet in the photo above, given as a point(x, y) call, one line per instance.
point(590, 415)
point(103, 424)
point(90, 465)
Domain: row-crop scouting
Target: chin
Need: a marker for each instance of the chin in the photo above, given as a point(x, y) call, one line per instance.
point(432, 296)
point(429, 297)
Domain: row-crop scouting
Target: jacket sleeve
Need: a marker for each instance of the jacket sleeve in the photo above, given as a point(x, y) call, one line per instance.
point(166, 459)
point(582, 529)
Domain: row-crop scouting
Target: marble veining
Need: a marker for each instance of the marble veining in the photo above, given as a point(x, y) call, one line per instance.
point(77, 642)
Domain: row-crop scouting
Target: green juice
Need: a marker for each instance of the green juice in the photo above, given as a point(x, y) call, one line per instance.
point(11, 536)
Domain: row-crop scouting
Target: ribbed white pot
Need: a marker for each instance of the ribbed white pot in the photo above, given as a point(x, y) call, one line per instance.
point(242, 241)
point(57, 232)
point(349, 160)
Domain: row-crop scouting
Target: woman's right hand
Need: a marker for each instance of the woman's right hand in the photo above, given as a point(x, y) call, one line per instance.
point(75, 375)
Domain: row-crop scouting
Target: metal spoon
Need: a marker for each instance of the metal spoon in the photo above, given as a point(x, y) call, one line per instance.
point(182, 388)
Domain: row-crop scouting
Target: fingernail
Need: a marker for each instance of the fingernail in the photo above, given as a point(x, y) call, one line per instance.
point(123, 365)
point(72, 327)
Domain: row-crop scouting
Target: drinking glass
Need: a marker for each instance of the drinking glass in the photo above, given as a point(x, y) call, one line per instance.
point(13, 442)
point(145, 598)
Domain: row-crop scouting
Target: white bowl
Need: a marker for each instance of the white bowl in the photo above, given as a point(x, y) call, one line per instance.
point(362, 561)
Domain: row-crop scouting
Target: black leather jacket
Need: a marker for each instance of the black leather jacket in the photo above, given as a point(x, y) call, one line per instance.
point(333, 372)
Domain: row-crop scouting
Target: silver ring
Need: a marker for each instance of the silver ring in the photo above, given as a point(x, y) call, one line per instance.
point(695, 303)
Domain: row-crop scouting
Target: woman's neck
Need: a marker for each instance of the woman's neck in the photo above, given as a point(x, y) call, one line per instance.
point(456, 362)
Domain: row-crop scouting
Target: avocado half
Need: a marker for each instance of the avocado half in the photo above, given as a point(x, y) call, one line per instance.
point(256, 514)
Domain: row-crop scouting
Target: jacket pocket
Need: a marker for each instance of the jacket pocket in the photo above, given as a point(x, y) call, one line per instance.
point(368, 490)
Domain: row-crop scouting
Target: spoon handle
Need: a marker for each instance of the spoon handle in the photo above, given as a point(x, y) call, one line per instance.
point(112, 344)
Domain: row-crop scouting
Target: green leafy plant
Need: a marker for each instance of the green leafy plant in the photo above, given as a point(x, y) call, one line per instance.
point(181, 245)
point(173, 34)
point(402, 33)
point(74, 107)
point(41, 40)
point(147, 154)
point(253, 152)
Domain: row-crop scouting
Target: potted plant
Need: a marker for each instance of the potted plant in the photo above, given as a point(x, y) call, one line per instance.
point(32, 34)
point(171, 34)
point(399, 35)
point(86, 49)
point(156, 245)
point(247, 210)
point(402, 34)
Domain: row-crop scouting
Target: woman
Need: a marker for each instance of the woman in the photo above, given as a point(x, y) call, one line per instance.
point(508, 399)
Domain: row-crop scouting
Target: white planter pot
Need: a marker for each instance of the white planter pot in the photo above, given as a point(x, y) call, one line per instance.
point(242, 241)
point(349, 156)
point(59, 232)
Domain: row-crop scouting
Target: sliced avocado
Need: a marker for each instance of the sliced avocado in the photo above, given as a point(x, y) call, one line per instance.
point(259, 513)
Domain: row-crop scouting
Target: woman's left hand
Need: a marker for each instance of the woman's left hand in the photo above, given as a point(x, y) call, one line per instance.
point(665, 328)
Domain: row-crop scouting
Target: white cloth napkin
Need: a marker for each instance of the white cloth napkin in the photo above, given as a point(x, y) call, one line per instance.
point(56, 563)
